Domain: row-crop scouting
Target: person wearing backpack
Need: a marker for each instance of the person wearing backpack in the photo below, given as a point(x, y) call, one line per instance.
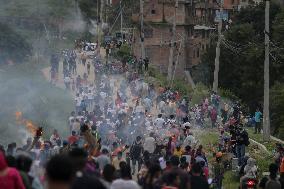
point(136, 151)
point(242, 140)
point(271, 182)
point(218, 171)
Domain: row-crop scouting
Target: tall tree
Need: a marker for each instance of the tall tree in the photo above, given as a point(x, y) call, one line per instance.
point(13, 47)
point(242, 55)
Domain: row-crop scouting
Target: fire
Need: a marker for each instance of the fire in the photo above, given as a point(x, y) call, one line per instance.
point(30, 126)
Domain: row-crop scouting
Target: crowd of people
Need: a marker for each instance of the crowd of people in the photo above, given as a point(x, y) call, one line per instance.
point(126, 133)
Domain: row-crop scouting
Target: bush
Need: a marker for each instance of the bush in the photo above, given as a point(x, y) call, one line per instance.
point(277, 110)
point(228, 94)
point(124, 52)
point(200, 92)
point(13, 47)
point(182, 86)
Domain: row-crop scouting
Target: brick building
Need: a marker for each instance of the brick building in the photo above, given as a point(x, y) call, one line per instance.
point(158, 21)
point(195, 24)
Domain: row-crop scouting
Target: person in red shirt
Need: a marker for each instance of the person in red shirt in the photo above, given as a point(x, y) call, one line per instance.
point(73, 138)
point(9, 177)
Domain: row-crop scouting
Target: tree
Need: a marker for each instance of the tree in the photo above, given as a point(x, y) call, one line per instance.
point(241, 60)
point(89, 9)
point(277, 109)
point(13, 47)
point(242, 55)
point(124, 52)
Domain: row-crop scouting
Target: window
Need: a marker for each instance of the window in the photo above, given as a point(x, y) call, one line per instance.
point(193, 53)
point(202, 47)
point(148, 32)
point(153, 11)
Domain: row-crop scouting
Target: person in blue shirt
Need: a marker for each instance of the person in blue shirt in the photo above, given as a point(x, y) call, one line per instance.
point(257, 117)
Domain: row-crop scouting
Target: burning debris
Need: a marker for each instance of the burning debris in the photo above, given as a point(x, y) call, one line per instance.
point(30, 126)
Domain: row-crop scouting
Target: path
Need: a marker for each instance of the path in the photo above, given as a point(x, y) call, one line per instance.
point(81, 69)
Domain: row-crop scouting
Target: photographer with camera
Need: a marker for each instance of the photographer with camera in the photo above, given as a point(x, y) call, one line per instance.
point(242, 140)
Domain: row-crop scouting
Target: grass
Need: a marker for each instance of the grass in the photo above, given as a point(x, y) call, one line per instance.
point(259, 138)
point(231, 181)
point(263, 159)
point(206, 138)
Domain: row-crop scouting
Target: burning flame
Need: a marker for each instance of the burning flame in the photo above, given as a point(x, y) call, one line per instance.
point(28, 123)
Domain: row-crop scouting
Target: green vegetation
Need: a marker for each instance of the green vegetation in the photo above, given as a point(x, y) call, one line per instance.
point(277, 109)
point(89, 9)
point(241, 62)
point(179, 84)
point(123, 53)
point(13, 46)
point(231, 181)
point(209, 139)
point(259, 138)
point(46, 25)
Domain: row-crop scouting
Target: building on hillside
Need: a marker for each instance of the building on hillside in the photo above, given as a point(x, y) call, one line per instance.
point(194, 26)
point(158, 21)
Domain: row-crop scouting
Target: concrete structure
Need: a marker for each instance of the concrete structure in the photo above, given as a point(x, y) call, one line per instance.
point(196, 24)
point(192, 38)
point(158, 19)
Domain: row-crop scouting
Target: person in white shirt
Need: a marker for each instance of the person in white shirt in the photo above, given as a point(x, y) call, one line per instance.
point(90, 97)
point(54, 137)
point(189, 140)
point(72, 117)
point(148, 104)
point(149, 144)
point(159, 122)
point(161, 106)
point(67, 81)
point(78, 100)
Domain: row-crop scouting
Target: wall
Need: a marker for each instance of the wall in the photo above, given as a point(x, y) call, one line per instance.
point(157, 47)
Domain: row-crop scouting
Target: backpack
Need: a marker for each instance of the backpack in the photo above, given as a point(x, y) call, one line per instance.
point(246, 138)
point(136, 150)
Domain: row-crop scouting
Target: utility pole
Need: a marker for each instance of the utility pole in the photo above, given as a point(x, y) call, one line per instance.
point(142, 29)
point(172, 44)
point(176, 63)
point(102, 11)
point(217, 58)
point(121, 17)
point(266, 120)
point(98, 21)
